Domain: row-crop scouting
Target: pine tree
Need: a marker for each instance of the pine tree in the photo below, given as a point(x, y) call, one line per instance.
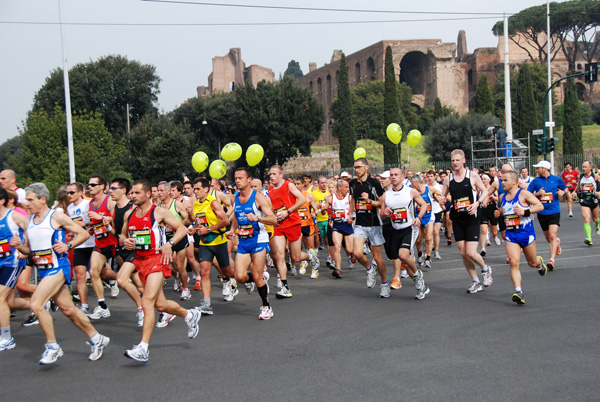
point(572, 141)
point(438, 110)
point(343, 127)
point(483, 97)
point(391, 110)
point(526, 113)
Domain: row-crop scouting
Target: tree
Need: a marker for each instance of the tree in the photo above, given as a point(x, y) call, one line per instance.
point(438, 110)
point(104, 86)
point(367, 105)
point(293, 70)
point(45, 158)
point(483, 97)
point(455, 132)
point(572, 133)
point(343, 126)
point(527, 117)
point(13, 147)
point(391, 110)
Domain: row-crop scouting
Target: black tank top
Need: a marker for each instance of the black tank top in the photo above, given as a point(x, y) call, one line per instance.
point(463, 196)
point(119, 214)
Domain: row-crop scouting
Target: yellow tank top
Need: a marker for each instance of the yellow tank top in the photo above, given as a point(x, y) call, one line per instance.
point(205, 216)
point(320, 198)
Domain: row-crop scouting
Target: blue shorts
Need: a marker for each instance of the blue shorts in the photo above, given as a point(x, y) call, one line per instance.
point(521, 237)
point(65, 269)
point(251, 246)
point(344, 228)
point(10, 274)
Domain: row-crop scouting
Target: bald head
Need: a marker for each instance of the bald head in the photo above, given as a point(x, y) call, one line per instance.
point(507, 168)
point(8, 179)
point(256, 184)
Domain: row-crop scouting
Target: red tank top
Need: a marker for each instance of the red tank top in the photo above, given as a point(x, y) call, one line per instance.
point(102, 234)
point(282, 200)
point(146, 233)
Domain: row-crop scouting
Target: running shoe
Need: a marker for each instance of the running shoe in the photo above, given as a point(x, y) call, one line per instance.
point(99, 312)
point(371, 277)
point(550, 264)
point(517, 297)
point(353, 259)
point(266, 313)
point(6, 344)
point(315, 261)
point(350, 263)
point(421, 293)
point(543, 269)
point(475, 287)
point(366, 249)
point(374, 264)
point(328, 262)
point(98, 347)
point(140, 318)
point(84, 310)
point(266, 277)
point(483, 253)
point(558, 249)
point(487, 276)
point(427, 263)
point(497, 240)
point(449, 242)
point(302, 268)
point(337, 273)
point(420, 261)
point(205, 309)
point(198, 285)
point(396, 283)
point(436, 255)
point(114, 290)
point(164, 320)
point(137, 353)
point(249, 287)
point(403, 274)
point(384, 293)
point(293, 271)
point(192, 323)
point(283, 293)
point(226, 288)
point(314, 274)
point(176, 284)
point(51, 355)
point(570, 214)
point(53, 306)
point(588, 241)
point(419, 281)
point(185, 294)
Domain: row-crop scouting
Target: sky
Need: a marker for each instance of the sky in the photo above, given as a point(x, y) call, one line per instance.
point(180, 37)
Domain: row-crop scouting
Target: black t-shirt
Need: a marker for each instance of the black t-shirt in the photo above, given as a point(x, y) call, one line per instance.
point(366, 214)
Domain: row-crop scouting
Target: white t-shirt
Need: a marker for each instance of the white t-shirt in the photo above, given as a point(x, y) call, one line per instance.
point(80, 212)
point(20, 194)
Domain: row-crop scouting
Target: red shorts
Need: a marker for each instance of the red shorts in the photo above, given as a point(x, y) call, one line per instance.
point(291, 233)
point(148, 265)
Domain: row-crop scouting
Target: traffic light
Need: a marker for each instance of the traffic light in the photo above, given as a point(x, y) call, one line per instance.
point(551, 142)
point(591, 72)
point(540, 145)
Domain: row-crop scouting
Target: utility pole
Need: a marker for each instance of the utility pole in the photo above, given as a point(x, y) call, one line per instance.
point(70, 147)
point(507, 101)
point(550, 126)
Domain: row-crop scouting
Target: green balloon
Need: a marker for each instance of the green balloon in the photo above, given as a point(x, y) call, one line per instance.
point(200, 161)
point(217, 169)
point(231, 151)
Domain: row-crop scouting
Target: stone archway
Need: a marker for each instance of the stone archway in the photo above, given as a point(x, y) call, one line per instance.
point(582, 92)
point(416, 70)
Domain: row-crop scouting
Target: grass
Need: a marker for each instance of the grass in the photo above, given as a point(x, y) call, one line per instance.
point(590, 136)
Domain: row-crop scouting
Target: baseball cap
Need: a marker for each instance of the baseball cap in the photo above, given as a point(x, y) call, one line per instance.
point(543, 164)
point(345, 174)
point(385, 174)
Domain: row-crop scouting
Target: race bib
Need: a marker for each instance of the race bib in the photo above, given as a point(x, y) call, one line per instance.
point(284, 208)
point(77, 219)
point(399, 215)
point(303, 212)
point(546, 198)
point(100, 231)
point(588, 189)
point(363, 207)
point(5, 250)
point(462, 204)
point(42, 259)
point(201, 219)
point(142, 239)
point(428, 208)
point(245, 231)
point(339, 215)
point(513, 222)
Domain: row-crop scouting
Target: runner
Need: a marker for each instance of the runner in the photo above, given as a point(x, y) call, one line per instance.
point(78, 210)
point(525, 175)
point(228, 282)
point(341, 229)
point(143, 231)
point(488, 222)
point(589, 187)
point(12, 224)
point(105, 249)
point(307, 224)
point(398, 204)
point(436, 209)
point(365, 192)
point(155, 199)
point(517, 206)
point(252, 213)
point(211, 222)
point(387, 230)
point(547, 188)
point(461, 185)
point(45, 243)
point(426, 228)
point(286, 200)
point(570, 178)
point(8, 181)
point(320, 192)
point(188, 191)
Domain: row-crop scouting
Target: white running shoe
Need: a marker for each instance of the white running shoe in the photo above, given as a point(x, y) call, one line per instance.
point(421, 293)
point(249, 287)
point(487, 276)
point(176, 284)
point(385, 290)
point(51, 355)
point(350, 263)
point(403, 274)
point(185, 294)
point(284, 293)
point(497, 240)
point(419, 281)
point(314, 274)
point(279, 283)
point(205, 309)
point(114, 290)
point(293, 271)
point(6, 344)
point(371, 277)
point(475, 287)
point(192, 323)
point(100, 312)
point(165, 319)
point(266, 313)
point(137, 353)
point(302, 268)
point(226, 288)
point(140, 318)
point(98, 348)
point(233, 292)
point(315, 261)
point(487, 240)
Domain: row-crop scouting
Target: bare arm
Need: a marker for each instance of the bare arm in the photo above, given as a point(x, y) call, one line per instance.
point(300, 200)
point(265, 206)
point(534, 203)
point(63, 221)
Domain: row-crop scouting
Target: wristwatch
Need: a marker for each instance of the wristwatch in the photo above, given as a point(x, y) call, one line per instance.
point(171, 242)
point(70, 246)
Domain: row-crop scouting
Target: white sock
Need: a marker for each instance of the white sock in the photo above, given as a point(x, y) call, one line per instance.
point(144, 346)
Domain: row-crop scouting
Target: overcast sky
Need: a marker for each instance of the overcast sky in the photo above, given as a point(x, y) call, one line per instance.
point(182, 54)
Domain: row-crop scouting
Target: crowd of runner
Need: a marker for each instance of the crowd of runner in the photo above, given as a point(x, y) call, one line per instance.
point(119, 235)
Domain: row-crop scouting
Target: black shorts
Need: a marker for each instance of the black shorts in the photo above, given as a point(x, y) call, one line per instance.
point(387, 246)
point(466, 231)
point(590, 205)
point(402, 238)
point(308, 231)
point(501, 223)
point(547, 220)
point(81, 256)
point(209, 253)
point(487, 216)
point(438, 217)
point(126, 255)
point(109, 253)
point(181, 245)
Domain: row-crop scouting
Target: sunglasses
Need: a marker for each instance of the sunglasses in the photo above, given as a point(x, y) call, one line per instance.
point(114, 188)
point(93, 184)
point(359, 166)
point(72, 192)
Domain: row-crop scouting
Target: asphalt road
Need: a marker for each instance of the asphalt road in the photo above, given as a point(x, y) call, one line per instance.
point(336, 340)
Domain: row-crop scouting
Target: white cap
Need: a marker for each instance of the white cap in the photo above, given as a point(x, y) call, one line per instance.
point(385, 174)
point(345, 174)
point(543, 164)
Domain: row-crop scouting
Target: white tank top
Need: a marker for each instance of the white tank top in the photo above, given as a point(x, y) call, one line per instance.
point(401, 204)
point(41, 238)
point(340, 208)
point(79, 213)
